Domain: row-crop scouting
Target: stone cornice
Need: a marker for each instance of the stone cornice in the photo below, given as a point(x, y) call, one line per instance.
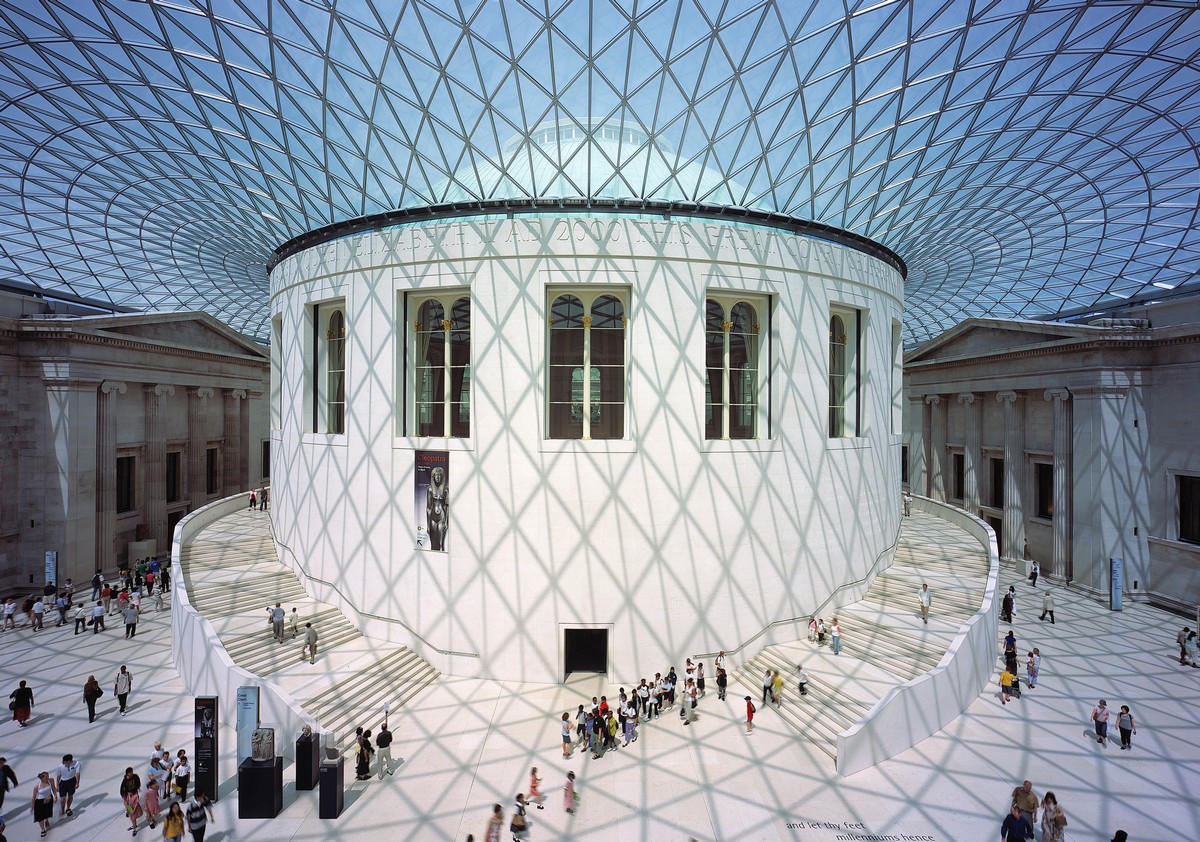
point(50, 333)
point(1098, 391)
point(1123, 341)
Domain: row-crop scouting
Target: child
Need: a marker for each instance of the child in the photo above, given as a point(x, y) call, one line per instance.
point(750, 709)
point(569, 796)
point(722, 684)
point(535, 794)
point(152, 801)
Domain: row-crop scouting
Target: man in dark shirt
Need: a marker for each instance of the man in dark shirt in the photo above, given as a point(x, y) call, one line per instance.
point(1016, 828)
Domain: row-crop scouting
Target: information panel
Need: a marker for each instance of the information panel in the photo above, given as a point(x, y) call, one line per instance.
point(206, 751)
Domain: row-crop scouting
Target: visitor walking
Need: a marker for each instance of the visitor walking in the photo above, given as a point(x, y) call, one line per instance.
point(801, 680)
point(1006, 683)
point(1047, 607)
point(495, 825)
point(67, 778)
point(1053, 819)
point(535, 789)
point(1026, 800)
point(22, 703)
point(924, 599)
point(835, 632)
point(153, 800)
point(1015, 828)
point(97, 621)
point(44, 796)
point(722, 684)
point(278, 616)
point(519, 826)
point(1127, 727)
point(767, 679)
point(6, 775)
point(131, 794)
point(1034, 569)
point(569, 796)
point(1181, 639)
point(173, 823)
point(1100, 717)
point(199, 815)
point(777, 689)
point(131, 621)
point(310, 644)
point(182, 774)
point(123, 687)
point(294, 622)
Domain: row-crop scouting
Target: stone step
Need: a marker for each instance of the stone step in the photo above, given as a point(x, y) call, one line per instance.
point(276, 656)
point(238, 644)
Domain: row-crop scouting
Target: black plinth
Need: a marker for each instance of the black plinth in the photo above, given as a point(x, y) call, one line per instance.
point(333, 788)
point(308, 751)
point(260, 789)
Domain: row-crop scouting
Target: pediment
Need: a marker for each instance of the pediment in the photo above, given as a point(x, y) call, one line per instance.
point(191, 331)
point(981, 337)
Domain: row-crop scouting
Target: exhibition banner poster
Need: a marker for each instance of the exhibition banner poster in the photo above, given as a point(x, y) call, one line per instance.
point(431, 499)
point(206, 745)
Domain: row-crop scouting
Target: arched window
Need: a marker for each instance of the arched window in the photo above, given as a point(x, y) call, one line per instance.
point(845, 372)
point(441, 385)
point(837, 377)
point(329, 369)
point(586, 369)
point(733, 381)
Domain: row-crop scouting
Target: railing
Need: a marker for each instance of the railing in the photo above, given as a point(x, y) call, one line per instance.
point(199, 655)
point(919, 708)
point(857, 587)
point(346, 606)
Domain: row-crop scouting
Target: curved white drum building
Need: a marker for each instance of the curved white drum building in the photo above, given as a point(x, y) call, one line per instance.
point(528, 438)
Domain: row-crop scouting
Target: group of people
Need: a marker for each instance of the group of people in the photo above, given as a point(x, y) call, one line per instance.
point(167, 781)
point(1022, 819)
point(519, 825)
point(365, 752)
point(1010, 682)
point(259, 499)
point(817, 631)
point(600, 726)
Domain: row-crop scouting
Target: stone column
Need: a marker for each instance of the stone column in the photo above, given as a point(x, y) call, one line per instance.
point(972, 420)
point(234, 455)
point(106, 472)
point(155, 472)
point(1014, 474)
point(937, 446)
point(197, 445)
point(1060, 565)
point(918, 471)
point(68, 476)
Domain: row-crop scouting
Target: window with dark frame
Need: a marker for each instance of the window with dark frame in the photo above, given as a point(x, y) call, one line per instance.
point(126, 483)
point(958, 477)
point(212, 472)
point(997, 483)
point(904, 463)
point(266, 459)
point(174, 484)
point(1044, 476)
point(1189, 509)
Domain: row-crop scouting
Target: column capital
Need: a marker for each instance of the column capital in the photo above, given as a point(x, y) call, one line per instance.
point(200, 392)
point(236, 394)
point(1056, 394)
point(1008, 397)
point(110, 386)
point(967, 397)
point(933, 400)
point(159, 390)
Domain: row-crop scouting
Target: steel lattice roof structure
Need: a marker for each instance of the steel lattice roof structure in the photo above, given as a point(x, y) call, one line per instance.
point(1023, 158)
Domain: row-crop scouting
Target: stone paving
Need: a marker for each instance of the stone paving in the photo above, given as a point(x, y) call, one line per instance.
point(468, 743)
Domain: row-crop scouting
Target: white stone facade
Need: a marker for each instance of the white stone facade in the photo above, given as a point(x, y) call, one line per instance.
point(108, 424)
point(1095, 420)
point(674, 543)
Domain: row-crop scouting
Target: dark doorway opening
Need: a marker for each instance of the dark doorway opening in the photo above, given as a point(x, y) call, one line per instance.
point(997, 527)
point(173, 519)
point(585, 650)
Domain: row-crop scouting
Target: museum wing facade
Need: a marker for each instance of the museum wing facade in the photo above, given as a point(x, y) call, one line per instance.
point(1076, 439)
point(114, 427)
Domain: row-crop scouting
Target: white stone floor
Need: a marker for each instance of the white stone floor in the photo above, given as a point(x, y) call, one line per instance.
point(467, 744)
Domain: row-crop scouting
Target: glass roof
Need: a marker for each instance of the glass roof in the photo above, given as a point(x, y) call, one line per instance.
point(1023, 158)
